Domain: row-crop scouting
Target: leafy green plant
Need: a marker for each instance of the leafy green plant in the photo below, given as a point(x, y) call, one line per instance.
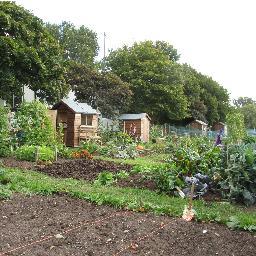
point(90, 146)
point(105, 178)
point(236, 127)
point(5, 137)
point(5, 193)
point(238, 173)
point(122, 175)
point(34, 124)
point(155, 132)
point(28, 153)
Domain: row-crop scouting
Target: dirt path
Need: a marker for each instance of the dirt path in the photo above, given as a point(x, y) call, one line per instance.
point(100, 230)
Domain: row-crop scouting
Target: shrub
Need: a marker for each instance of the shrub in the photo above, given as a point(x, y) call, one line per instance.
point(236, 127)
point(90, 146)
point(5, 138)
point(34, 124)
point(105, 178)
point(28, 153)
point(237, 178)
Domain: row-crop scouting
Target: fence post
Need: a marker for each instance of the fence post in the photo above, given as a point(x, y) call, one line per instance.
point(56, 153)
point(37, 154)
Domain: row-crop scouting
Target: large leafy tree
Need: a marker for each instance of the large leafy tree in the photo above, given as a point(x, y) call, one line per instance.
point(247, 106)
point(104, 91)
point(154, 78)
point(249, 112)
point(242, 101)
point(79, 44)
point(193, 91)
point(208, 101)
point(29, 55)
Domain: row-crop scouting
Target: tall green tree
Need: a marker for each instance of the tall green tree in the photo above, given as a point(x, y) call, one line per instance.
point(193, 92)
point(242, 101)
point(154, 80)
point(249, 112)
point(79, 44)
point(208, 101)
point(105, 91)
point(29, 55)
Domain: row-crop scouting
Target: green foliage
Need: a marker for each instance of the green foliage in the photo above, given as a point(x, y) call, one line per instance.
point(29, 55)
point(5, 192)
point(238, 173)
point(243, 101)
point(117, 145)
point(105, 179)
point(34, 124)
point(155, 132)
point(90, 146)
point(236, 127)
point(79, 44)
point(154, 79)
point(105, 90)
point(5, 137)
point(28, 153)
point(249, 113)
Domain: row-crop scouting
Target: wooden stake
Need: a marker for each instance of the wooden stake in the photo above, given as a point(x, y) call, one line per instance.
point(56, 153)
point(190, 204)
point(37, 154)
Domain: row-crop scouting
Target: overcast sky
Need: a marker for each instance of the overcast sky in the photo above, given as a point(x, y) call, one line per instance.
point(217, 37)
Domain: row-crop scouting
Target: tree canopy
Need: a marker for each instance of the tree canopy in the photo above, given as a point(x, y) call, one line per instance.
point(79, 44)
point(29, 55)
point(242, 101)
point(247, 107)
point(164, 88)
point(104, 91)
point(154, 80)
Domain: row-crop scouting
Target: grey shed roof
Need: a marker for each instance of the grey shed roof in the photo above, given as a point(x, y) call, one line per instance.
point(76, 107)
point(133, 116)
point(200, 122)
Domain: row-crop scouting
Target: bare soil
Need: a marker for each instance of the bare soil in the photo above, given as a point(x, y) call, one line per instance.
point(59, 225)
point(81, 168)
point(15, 163)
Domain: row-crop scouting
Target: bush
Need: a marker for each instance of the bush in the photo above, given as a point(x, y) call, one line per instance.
point(90, 146)
point(237, 178)
point(34, 124)
point(28, 153)
point(5, 138)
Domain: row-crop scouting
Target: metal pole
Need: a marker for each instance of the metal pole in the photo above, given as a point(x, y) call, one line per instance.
point(104, 46)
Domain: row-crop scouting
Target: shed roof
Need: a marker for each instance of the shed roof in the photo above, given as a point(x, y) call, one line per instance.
point(133, 116)
point(76, 107)
point(219, 123)
point(200, 122)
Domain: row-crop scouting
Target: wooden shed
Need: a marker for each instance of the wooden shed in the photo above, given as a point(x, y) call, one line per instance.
point(80, 121)
point(136, 124)
point(198, 124)
point(218, 126)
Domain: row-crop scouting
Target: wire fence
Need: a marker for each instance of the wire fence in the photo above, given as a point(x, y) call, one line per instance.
point(168, 129)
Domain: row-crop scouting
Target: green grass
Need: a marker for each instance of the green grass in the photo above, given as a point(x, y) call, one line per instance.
point(150, 160)
point(30, 182)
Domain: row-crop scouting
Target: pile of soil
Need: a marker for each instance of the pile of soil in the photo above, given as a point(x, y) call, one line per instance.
point(59, 225)
point(81, 168)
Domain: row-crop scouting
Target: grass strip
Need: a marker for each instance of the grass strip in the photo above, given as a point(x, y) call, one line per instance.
point(31, 182)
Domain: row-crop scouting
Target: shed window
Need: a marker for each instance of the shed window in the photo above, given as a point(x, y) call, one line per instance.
point(86, 119)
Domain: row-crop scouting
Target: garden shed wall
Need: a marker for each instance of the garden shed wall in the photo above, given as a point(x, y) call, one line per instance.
point(141, 122)
point(69, 114)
